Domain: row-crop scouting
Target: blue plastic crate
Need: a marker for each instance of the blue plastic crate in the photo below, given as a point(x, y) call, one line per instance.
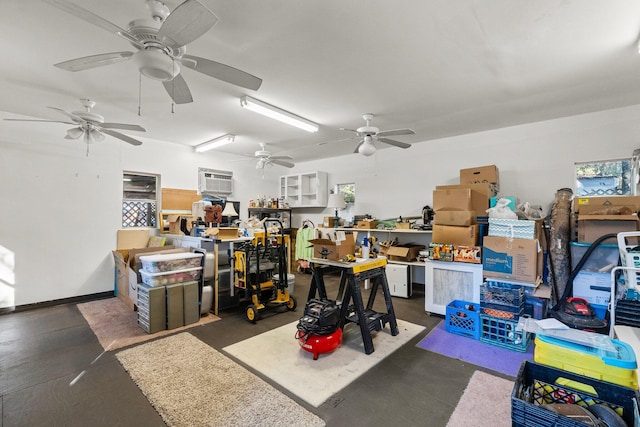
point(502, 333)
point(463, 318)
point(502, 296)
point(538, 384)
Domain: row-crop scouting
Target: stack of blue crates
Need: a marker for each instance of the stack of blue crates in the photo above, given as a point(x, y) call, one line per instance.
point(501, 305)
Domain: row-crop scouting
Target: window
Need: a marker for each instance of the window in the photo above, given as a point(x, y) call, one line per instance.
point(604, 178)
point(139, 200)
point(349, 191)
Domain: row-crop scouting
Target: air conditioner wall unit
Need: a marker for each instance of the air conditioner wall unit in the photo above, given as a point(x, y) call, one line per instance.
point(215, 182)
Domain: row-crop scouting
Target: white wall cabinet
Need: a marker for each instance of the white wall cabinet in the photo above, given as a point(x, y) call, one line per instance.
point(448, 281)
point(304, 190)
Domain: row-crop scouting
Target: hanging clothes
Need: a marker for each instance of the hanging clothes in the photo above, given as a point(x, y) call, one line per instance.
point(304, 249)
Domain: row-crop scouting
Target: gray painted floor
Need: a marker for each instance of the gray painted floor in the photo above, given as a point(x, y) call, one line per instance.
point(42, 352)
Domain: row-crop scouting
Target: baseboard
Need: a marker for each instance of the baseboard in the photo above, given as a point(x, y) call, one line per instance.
point(71, 300)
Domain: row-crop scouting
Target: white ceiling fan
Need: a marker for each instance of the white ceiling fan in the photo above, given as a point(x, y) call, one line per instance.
point(369, 134)
point(91, 126)
point(161, 46)
point(266, 159)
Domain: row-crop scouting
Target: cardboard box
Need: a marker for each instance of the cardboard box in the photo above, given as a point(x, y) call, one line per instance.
point(488, 174)
point(513, 259)
point(440, 252)
point(403, 226)
point(406, 252)
point(588, 205)
point(452, 199)
point(480, 195)
point(592, 227)
point(455, 235)
point(329, 222)
point(471, 254)
point(482, 174)
point(367, 225)
point(333, 250)
point(174, 223)
point(460, 218)
point(222, 233)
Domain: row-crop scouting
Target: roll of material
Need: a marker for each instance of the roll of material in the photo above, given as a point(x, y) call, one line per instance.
point(209, 265)
point(207, 300)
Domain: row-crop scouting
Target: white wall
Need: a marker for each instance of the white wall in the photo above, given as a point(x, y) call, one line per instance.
point(534, 161)
point(61, 209)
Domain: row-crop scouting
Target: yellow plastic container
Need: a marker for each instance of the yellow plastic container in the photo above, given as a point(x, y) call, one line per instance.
point(619, 367)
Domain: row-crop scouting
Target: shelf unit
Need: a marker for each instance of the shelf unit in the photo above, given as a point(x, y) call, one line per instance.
point(304, 189)
point(284, 215)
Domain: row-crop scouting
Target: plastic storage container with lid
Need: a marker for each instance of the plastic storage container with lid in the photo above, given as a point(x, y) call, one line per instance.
point(170, 277)
point(169, 262)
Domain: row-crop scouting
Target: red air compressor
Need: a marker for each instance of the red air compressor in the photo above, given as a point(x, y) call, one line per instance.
point(319, 329)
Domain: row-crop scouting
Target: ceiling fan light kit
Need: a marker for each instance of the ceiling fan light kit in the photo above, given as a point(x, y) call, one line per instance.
point(215, 143)
point(278, 114)
point(367, 148)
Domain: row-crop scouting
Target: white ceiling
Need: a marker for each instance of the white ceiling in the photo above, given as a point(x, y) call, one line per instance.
point(440, 67)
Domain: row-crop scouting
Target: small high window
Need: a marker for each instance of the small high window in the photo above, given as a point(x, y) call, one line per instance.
point(139, 200)
point(604, 178)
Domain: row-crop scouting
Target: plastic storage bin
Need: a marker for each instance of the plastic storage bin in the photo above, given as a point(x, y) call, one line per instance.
point(617, 367)
point(170, 277)
point(537, 385)
point(463, 318)
point(502, 333)
point(170, 262)
point(603, 258)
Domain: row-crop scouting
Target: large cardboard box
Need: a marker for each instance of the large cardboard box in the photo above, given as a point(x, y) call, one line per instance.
point(333, 250)
point(406, 252)
point(460, 218)
point(455, 235)
point(512, 259)
point(452, 199)
point(592, 227)
point(480, 195)
point(482, 174)
point(588, 205)
point(367, 224)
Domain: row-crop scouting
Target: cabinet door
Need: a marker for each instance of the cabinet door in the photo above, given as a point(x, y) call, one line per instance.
point(448, 281)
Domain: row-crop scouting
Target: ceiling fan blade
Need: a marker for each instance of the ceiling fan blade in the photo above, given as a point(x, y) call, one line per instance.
point(222, 72)
point(334, 141)
point(349, 130)
point(186, 23)
point(36, 120)
point(94, 19)
point(394, 132)
point(394, 142)
point(122, 126)
point(76, 119)
point(121, 136)
point(281, 158)
point(281, 163)
point(178, 90)
point(94, 61)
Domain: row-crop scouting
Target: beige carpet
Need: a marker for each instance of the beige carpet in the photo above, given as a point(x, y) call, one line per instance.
point(485, 402)
point(116, 325)
point(277, 355)
point(190, 384)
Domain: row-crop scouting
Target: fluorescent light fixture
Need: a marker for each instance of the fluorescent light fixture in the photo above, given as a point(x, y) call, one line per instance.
point(214, 143)
point(278, 114)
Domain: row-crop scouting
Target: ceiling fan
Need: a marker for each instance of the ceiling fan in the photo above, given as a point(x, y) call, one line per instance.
point(266, 159)
point(90, 125)
point(370, 133)
point(161, 46)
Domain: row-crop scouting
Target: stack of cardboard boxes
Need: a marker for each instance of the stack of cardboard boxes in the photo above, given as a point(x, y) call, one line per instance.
point(457, 207)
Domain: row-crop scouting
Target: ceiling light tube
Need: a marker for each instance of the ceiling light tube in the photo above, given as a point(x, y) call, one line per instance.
point(278, 114)
point(214, 143)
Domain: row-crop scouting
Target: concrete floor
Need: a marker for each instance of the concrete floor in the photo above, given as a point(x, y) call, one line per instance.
point(43, 350)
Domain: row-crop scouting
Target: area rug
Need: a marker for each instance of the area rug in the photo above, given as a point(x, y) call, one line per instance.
point(485, 402)
point(191, 384)
point(278, 355)
point(474, 351)
point(116, 325)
